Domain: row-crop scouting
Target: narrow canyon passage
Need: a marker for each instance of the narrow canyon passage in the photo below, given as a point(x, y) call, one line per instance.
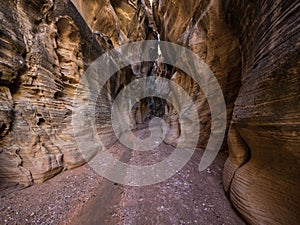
point(81, 196)
point(189, 197)
point(78, 75)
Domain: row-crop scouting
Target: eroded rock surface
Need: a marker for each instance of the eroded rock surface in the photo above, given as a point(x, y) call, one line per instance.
point(253, 49)
point(44, 51)
point(251, 46)
point(117, 23)
point(45, 48)
point(204, 30)
point(262, 172)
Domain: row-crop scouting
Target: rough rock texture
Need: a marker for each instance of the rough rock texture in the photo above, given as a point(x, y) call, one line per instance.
point(251, 46)
point(262, 172)
point(118, 23)
point(6, 111)
point(45, 48)
point(122, 21)
point(204, 30)
point(253, 49)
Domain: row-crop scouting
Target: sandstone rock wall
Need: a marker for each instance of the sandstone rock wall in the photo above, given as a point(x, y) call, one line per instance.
point(45, 48)
point(251, 46)
point(121, 22)
point(204, 30)
point(253, 49)
point(262, 172)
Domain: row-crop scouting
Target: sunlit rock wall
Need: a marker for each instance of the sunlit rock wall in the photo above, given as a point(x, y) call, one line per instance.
point(200, 26)
point(44, 51)
point(253, 49)
point(45, 48)
point(122, 22)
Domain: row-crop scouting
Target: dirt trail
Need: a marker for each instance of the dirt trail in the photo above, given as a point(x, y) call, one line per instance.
point(81, 196)
point(189, 197)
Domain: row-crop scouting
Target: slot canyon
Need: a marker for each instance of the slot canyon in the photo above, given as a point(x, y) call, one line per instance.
point(48, 47)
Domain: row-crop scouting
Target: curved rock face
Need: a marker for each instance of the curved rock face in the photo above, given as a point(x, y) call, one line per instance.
point(118, 23)
point(251, 46)
point(122, 21)
point(45, 48)
point(262, 172)
point(253, 49)
point(204, 30)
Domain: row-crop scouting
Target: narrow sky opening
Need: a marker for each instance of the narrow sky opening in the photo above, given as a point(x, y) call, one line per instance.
point(151, 1)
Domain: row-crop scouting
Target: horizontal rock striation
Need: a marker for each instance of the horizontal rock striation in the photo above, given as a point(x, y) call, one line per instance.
point(45, 48)
point(253, 49)
point(201, 27)
point(117, 23)
point(262, 172)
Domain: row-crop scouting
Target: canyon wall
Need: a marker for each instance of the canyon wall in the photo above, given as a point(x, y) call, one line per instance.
point(251, 46)
point(119, 23)
point(262, 173)
point(122, 21)
point(253, 50)
point(45, 48)
point(204, 30)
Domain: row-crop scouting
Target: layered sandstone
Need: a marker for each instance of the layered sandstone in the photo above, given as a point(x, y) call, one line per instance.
point(262, 172)
point(45, 48)
point(204, 30)
point(253, 49)
point(119, 23)
point(251, 46)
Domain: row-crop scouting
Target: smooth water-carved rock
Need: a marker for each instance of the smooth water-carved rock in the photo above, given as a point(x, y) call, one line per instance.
point(253, 49)
point(117, 23)
point(122, 21)
point(262, 172)
point(204, 30)
point(45, 48)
